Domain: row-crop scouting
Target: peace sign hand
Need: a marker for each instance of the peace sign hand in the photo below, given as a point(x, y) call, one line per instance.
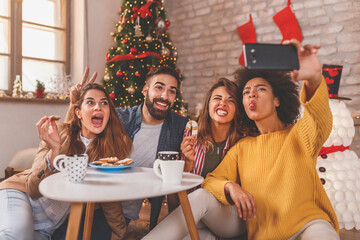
point(75, 90)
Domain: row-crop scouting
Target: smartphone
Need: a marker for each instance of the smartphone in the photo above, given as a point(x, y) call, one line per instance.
point(266, 56)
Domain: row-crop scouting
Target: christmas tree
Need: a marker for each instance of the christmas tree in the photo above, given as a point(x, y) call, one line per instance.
point(142, 43)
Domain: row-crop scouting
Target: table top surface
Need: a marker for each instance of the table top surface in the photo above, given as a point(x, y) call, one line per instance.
point(103, 186)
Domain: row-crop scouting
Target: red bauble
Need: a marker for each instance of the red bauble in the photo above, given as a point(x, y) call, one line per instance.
point(107, 56)
point(152, 67)
point(39, 93)
point(167, 23)
point(137, 74)
point(112, 96)
point(133, 50)
point(135, 8)
point(120, 73)
point(120, 9)
point(125, 41)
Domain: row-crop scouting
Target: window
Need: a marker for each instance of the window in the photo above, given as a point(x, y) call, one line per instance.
point(34, 42)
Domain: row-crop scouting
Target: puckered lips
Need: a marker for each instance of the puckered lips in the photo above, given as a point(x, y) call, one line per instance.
point(221, 112)
point(161, 104)
point(97, 120)
point(252, 105)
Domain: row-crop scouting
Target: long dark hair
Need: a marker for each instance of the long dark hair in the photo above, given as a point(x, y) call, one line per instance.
point(111, 142)
point(283, 88)
point(204, 135)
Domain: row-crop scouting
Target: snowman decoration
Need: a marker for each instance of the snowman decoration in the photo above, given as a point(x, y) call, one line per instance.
point(337, 166)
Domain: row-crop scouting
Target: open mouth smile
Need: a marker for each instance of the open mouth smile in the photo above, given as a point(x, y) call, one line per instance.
point(221, 112)
point(97, 120)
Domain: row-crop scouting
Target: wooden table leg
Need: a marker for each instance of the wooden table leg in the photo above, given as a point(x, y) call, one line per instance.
point(72, 231)
point(185, 205)
point(89, 215)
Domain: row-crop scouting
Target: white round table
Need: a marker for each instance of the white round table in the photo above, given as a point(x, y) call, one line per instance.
point(107, 186)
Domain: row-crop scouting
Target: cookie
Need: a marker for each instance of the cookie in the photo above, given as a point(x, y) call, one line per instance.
point(124, 162)
point(54, 118)
point(109, 159)
point(97, 162)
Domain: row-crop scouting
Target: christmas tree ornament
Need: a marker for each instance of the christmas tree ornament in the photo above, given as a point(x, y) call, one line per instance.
point(165, 51)
point(137, 28)
point(149, 39)
point(133, 50)
point(107, 78)
point(135, 9)
point(120, 73)
point(125, 41)
point(287, 23)
point(112, 96)
point(247, 34)
point(137, 74)
point(131, 89)
point(167, 23)
point(160, 24)
point(17, 87)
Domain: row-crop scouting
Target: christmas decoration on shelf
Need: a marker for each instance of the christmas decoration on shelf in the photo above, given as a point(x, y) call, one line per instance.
point(141, 43)
point(3, 94)
point(40, 88)
point(59, 87)
point(17, 87)
point(338, 166)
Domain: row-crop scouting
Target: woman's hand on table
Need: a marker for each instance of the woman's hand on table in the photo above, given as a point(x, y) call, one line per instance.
point(243, 200)
point(187, 148)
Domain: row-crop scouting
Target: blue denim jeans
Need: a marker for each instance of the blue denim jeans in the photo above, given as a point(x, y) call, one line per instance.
point(16, 218)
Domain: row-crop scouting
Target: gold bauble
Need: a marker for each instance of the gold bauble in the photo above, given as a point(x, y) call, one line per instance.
point(165, 51)
point(131, 90)
point(149, 39)
point(106, 78)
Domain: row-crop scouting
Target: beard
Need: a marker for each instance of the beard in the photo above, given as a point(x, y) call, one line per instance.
point(157, 113)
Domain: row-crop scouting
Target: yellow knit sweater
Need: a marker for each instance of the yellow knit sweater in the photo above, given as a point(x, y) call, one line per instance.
point(278, 170)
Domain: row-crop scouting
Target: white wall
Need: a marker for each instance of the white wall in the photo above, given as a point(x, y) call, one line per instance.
point(18, 119)
point(17, 126)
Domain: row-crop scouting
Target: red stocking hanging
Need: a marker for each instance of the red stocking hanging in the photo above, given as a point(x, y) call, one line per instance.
point(287, 23)
point(247, 34)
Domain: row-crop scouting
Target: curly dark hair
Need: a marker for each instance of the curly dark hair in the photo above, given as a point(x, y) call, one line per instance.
point(283, 88)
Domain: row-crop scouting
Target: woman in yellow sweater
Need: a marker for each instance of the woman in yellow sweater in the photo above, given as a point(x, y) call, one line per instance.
point(270, 179)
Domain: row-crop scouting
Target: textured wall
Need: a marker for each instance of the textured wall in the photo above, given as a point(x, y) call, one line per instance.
point(204, 32)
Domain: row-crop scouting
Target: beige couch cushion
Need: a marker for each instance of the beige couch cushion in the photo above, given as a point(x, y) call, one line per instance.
point(23, 158)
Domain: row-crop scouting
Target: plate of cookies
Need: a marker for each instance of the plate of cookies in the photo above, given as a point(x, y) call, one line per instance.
point(112, 164)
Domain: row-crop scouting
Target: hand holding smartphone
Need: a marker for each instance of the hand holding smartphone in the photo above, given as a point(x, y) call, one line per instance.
point(265, 56)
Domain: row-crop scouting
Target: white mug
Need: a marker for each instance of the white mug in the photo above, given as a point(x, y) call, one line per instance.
point(169, 171)
point(74, 166)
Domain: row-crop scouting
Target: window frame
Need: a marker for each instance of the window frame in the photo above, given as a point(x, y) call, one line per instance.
point(16, 57)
